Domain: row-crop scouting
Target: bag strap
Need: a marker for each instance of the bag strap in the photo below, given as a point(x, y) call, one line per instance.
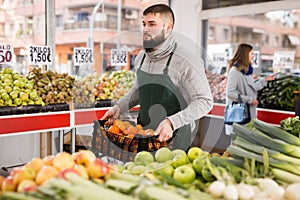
point(239, 98)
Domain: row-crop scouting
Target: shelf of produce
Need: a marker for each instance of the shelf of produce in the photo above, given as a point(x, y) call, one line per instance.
point(266, 115)
point(37, 122)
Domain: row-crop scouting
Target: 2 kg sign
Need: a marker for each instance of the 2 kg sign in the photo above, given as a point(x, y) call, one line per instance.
point(6, 53)
point(40, 55)
point(118, 57)
point(83, 56)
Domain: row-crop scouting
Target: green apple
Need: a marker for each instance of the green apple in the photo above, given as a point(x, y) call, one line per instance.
point(7, 70)
point(16, 76)
point(198, 164)
point(5, 96)
point(8, 89)
point(8, 102)
point(33, 95)
point(151, 167)
point(179, 157)
point(143, 158)
point(17, 101)
point(129, 165)
point(193, 153)
point(17, 83)
point(139, 169)
point(184, 174)
point(163, 154)
point(14, 94)
point(24, 96)
point(166, 168)
point(28, 86)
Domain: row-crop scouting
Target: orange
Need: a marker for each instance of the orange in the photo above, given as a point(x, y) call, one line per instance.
point(114, 129)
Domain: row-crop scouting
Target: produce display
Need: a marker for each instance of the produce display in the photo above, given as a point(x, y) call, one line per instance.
point(51, 86)
point(281, 93)
point(84, 91)
point(115, 85)
point(261, 164)
point(17, 90)
point(217, 83)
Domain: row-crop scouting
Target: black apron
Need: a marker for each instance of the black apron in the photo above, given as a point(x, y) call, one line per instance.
point(159, 98)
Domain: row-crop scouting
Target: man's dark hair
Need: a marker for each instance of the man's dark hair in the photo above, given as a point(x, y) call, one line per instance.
point(162, 9)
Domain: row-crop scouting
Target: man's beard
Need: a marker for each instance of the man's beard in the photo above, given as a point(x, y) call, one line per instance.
point(150, 44)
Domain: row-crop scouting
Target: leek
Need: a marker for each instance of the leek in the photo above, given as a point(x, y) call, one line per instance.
point(266, 141)
point(259, 149)
point(276, 132)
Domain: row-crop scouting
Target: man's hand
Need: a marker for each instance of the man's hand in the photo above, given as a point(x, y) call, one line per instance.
point(164, 130)
point(112, 114)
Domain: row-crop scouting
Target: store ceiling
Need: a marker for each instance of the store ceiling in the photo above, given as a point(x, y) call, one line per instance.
point(210, 4)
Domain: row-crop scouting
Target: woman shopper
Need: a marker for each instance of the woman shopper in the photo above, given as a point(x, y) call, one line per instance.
point(171, 85)
point(240, 80)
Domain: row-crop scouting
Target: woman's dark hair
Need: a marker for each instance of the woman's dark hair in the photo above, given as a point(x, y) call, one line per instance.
point(162, 9)
point(241, 56)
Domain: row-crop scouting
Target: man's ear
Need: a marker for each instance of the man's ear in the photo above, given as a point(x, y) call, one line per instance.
point(169, 28)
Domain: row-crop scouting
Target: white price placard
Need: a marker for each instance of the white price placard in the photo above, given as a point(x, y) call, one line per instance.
point(255, 59)
point(83, 56)
point(220, 59)
point(118, 57)
point(6, 53)
point(40, 55)
point(284, 59)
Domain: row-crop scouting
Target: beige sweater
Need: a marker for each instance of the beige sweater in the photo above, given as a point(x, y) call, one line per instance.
point(186, 71)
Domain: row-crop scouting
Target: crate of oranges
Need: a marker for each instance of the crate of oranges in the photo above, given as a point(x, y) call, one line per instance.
point(128, 136)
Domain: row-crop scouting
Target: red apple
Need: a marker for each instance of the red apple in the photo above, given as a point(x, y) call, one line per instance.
point(97, 168)
point(26, 186)
point(81, 170)
point(83, 157)
point(63, 160)
point(36, 164)
point(8, 184)
point(62, 174)
point(1, 180)
point(24, 174)
point(45, 173)
point(48, 160)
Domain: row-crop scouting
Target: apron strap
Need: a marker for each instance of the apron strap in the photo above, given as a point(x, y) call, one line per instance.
point(165, 71)
point(144, 56)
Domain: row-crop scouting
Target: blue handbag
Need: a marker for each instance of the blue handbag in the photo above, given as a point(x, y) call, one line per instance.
point(237, 112)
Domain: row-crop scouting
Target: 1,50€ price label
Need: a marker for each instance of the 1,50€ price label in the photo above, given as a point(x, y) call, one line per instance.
point(40, 55)
point(83, 56)
point(118, 57)
point(6, 53)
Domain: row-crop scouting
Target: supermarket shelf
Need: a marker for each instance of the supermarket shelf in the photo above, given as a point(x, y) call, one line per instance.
point(267, 115)
point(37, 122)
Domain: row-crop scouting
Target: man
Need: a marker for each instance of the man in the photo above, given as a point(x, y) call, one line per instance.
point(171, 86)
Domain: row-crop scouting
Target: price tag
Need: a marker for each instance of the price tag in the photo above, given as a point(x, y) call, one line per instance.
point(40, 55)
point(283, 59)
point(83, 56)
point(255, 59)
point(6, 53)
point(118, 57)
point(220, 59)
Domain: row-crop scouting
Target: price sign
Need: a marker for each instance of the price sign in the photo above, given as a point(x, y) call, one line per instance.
point(6, 53)
point(83, 56)
point(255, 59)
point(118, 57)
point(220, 59)
point(40, 55)
point(283, 59)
